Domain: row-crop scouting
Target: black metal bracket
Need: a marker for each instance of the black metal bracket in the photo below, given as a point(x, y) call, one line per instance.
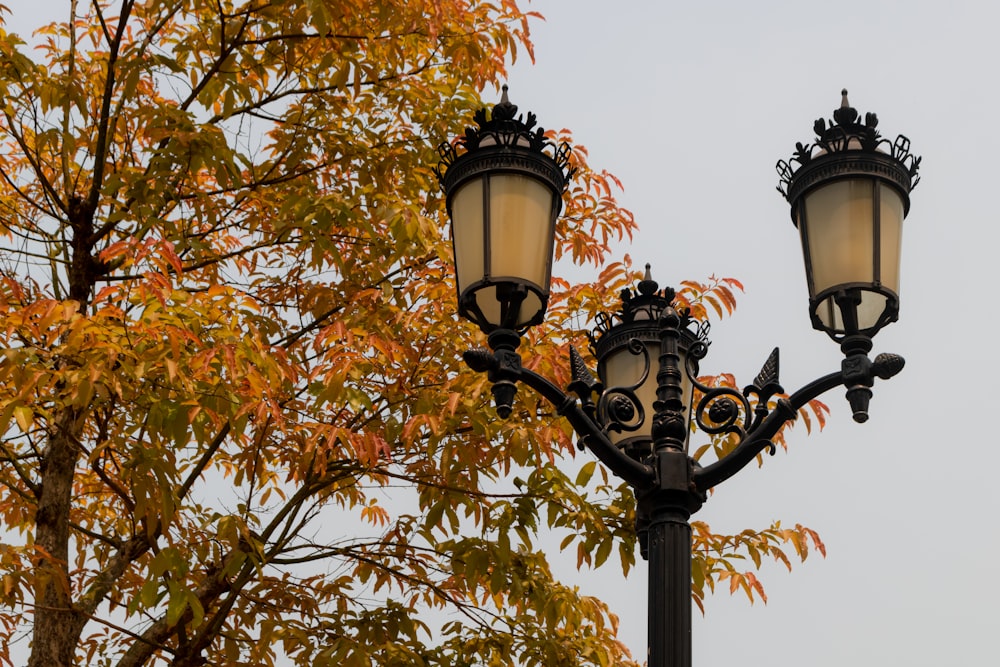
point(857, 374)
point(718, 411)
point(504, 370)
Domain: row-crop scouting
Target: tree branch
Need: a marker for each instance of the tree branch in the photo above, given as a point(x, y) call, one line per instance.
point(104, 120)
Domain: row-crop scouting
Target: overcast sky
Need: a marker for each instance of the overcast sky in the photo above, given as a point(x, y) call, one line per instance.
point(691, 104)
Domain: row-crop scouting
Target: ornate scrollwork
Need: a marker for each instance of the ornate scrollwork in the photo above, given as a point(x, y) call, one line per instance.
point(699, 347)
point(619, 409)
point(622, 411)
point(723, 410)
point(728, 411)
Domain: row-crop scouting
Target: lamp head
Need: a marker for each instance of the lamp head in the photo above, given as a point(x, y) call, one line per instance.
point(849, 192)
point(627, 345)
point(503, 182)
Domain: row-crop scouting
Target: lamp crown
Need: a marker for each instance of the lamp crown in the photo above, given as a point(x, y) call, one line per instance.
point(503, 129)
point(648, 303)
point(848, 133)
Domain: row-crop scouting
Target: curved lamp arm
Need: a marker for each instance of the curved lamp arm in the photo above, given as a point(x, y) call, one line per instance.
point(504, 368)
point(857, 374)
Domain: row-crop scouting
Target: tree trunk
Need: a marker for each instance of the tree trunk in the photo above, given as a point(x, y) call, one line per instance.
point(56, 626)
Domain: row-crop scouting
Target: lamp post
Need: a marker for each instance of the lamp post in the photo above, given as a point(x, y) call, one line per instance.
point(849, 193)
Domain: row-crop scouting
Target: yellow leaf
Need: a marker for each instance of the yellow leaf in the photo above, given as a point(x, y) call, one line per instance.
point(25, 417)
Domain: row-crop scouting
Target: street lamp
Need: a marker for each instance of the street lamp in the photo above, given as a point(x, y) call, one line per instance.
point(849, 193)
point(849, 197)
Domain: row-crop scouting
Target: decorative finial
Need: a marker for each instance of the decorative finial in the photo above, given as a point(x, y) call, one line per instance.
point(502, 130)
point(504, 110)
point(647, 285)
point(846, 114)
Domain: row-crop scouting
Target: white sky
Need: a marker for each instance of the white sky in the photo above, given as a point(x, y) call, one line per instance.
point(691, 104)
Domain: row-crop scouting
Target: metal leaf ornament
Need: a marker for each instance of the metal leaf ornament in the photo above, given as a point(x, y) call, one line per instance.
point(766, 384)
point(583, 383)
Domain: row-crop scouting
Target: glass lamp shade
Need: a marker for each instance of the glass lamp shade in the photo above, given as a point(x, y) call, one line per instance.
point(503, 230)
point(628, 360)
point(851, 233)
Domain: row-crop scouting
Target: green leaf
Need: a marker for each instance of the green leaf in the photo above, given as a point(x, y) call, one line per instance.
point(586, 472)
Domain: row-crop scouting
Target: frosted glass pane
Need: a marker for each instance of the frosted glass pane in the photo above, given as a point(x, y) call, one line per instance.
point(838, 228)
point(869, 311)
point(521, 229)
point(467, 233)
point(488, 303)
point(891, 212)
point(623, 369)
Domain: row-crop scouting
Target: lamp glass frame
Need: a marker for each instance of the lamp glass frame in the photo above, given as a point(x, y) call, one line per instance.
point(851, 234)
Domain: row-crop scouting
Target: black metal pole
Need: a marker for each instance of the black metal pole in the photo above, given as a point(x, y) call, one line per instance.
point(669, 548)
point(667, 508)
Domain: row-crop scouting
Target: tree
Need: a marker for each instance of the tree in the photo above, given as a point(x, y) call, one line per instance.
point(235, 426)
